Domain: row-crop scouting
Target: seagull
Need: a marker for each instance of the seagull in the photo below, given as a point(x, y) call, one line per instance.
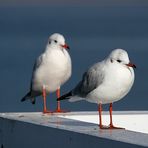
point(51, 70)
point(105, 82)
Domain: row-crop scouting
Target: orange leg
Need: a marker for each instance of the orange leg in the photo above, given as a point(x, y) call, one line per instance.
point(100, 117)
point(100, 114)
point(58, 102)
point(58, 110)
point(44, 101)
point(110, 113)
point(111, 126)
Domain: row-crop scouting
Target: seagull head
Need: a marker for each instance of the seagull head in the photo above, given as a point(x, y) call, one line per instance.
point(58, 40)
point(120, 56)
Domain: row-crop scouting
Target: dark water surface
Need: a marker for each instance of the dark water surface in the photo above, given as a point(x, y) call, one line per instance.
point(91, 32)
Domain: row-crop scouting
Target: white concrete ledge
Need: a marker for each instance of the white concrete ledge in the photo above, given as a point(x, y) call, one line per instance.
point(27, 130)
point(130, 120)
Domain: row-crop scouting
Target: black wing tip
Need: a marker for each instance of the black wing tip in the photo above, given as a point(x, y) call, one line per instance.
point(65, 97)
point(26, 97)
point(23, 99)
point(33, 102)
point(61, 98)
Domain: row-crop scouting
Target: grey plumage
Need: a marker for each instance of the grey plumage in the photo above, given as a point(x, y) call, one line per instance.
point(32, 94)
point(38, 62)
point(88, 82)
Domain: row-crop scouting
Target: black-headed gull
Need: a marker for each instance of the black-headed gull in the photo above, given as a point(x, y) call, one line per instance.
point(105, 82)
point(51, 69)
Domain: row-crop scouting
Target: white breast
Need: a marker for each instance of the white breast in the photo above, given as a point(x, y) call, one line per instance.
point(117, 83)
point(54, 70)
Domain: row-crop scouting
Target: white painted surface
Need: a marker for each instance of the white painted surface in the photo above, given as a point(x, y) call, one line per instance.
point(41, 128)
point(132, 122)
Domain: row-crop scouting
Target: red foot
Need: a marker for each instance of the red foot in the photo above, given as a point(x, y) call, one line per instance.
point(47, 112)
point(110, 127)
point(103, 127)
point(60, 111)
point(114, 127)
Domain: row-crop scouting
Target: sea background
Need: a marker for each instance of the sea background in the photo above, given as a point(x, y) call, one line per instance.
point(92, 29)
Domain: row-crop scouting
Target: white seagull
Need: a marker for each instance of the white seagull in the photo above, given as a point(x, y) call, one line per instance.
point(51, 69)
point(105, 82)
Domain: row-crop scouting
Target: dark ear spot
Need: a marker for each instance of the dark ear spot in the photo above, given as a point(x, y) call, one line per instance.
point(111, 60)
point(119, 61)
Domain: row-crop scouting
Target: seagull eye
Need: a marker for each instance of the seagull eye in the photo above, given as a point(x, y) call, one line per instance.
point(119, 61)
point(55, 41)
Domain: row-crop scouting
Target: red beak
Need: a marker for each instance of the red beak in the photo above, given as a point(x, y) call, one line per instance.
point(65, 46)
point(131, 65)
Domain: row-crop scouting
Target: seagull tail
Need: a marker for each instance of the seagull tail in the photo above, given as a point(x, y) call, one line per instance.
point(65, 97)
point(28, 96)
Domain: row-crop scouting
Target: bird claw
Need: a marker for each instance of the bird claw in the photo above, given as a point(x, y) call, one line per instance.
point(109, 127)
point(47, 112)
point(114, 127)
point(103, 127)
point(60, 111)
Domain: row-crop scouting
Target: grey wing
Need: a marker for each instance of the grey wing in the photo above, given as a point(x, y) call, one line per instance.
point(37, 64)
point(90, 81)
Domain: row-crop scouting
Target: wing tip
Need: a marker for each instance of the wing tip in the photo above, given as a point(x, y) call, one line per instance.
point(65, 97)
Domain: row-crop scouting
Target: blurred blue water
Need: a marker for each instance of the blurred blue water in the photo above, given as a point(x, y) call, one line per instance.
point(91, 32)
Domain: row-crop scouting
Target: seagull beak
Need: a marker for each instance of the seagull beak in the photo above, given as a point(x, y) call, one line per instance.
point(65, 46)
point(131, 65)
